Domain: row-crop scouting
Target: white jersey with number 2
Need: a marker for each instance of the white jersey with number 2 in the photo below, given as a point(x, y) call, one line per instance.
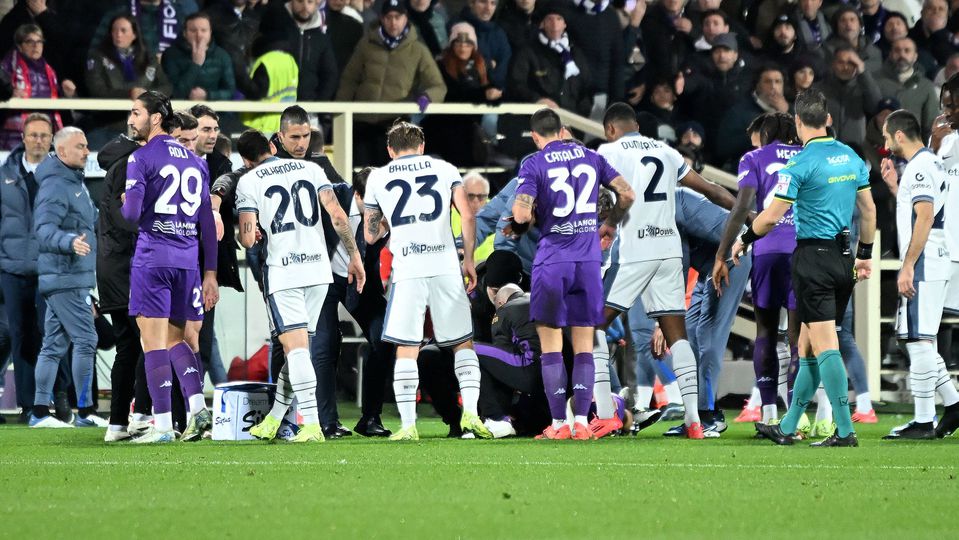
point(285, 195)
point(414, 194)
point(654, 170)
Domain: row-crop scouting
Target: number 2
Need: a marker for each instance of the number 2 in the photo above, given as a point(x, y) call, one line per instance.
point(278, 226)
point(179, 182)
point(560, 184)
point(650, 195)
point(197, 301)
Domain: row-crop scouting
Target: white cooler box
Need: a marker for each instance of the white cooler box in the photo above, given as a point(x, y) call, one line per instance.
point(240, 405)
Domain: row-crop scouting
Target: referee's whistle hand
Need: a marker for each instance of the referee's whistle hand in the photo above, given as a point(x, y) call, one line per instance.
point(907, 286)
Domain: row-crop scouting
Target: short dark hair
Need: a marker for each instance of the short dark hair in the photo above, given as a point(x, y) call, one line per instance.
point(905, 121)
point(545, 122)
point(778, 126)
point(811, 108)
point(951, 86)
point(187, 121)
point(195, 16)
point(619, 113)
point(200, 110)
point(223, 145)
point(293, 115)
point(359, 180)
point(766, 68)
point(156, 103)
point(404, 136)
point(717, 12)
point(316, 142)
point(252, 145)
point(843, 47)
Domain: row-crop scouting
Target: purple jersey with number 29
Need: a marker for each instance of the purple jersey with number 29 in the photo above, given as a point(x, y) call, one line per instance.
point(563, 178)
point(168, 194)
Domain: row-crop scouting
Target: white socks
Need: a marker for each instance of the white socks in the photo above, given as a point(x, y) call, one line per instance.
point(284, 393)
point(303, 380)
point(944, 385)
point(197, 403)
point(466, 366)
point(673, 395)
point(863, 402)
point(163, 421)
point(602, 389)
point(755, 400)
point(644, 396)
point(770, 413)
point(785, 357)
point(406, 380)
point(923, 375)
point(823, 406)
point(684, 365)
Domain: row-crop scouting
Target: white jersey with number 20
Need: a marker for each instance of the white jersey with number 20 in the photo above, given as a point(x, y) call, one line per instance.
point(284, 194)
point(654, 170)
point(414, 194)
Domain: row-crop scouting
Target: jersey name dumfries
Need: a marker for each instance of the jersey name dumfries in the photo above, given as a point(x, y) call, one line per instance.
point(280, 169)
point(411, 167)
point(636, 144)
point(564, 155)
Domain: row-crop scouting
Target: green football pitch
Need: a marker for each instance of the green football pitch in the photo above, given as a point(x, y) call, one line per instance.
point(69, 484)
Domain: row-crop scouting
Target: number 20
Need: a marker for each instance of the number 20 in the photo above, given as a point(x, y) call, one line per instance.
point(560, 184)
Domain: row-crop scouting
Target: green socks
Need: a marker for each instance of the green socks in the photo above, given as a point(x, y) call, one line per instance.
point(804, 388)
point(833, 373)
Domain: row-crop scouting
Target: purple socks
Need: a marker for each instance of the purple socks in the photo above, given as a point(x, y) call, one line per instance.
point(187, 369)
point(554, 383)
point(583, 377)
point(766, 366)
point(159, 379)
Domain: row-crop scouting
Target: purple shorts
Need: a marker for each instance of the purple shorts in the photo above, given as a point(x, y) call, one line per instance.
point(567, 294)
point(166, 293)
point(772, 281)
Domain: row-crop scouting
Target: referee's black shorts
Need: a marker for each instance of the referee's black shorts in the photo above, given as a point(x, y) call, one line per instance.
point(823, 280)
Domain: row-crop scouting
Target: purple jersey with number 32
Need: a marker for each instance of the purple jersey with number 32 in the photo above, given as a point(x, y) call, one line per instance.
point(174, 187)
point(563, 178)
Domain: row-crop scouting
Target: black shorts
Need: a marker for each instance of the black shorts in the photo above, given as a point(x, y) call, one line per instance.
point(823, 281)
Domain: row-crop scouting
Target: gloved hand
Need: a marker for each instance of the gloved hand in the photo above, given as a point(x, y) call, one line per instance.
point(423, 101)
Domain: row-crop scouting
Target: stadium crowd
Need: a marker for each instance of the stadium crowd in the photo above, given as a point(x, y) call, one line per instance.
point(697, 75)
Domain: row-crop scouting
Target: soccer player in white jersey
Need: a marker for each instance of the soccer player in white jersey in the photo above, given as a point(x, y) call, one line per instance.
point(410, 198)
point(647, 257)
point(281, 196)
point(926, 267)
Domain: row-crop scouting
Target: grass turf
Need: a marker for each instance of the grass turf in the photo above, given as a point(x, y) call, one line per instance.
point(68, 483)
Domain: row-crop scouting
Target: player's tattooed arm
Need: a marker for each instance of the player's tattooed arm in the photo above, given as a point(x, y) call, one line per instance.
point(375, 226)
point(624, 200)
point(522, 217)
point(247, 229)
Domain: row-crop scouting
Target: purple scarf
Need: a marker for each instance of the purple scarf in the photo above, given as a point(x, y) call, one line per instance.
point(167, 23)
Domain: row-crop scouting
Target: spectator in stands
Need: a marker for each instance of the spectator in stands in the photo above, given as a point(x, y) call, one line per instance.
point(711, 91)
point(712, 23)
point(65, 226)
point(691, 134)
point(802, 75)
point(199, 69)
point(851, 94)
point(661, 103)
point(235, 25)
point(518, 19)
point(491, 39)
point(947, 71)
point(459, 138)
point(930, 32)
point(161, 22)
point(121, 68)
point(813, 28)
point(783, 47)
point(874, 145)
point(596, 29)
point(696, 11)
point(345, 29)
point(874, 16)
point(301, 23)
point(19, 251)
point(552, 70)
point(430, 20)
point(768, 96)
point(847, 29)
point(894, 27)
point(667, 35)
point(390, 64)
point(31, 77)
point(274, 78)
point(36, 12)
point(901, 79)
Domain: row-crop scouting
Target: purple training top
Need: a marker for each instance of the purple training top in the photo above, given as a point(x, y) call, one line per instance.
point(562, 178)
point(168, 195)
point(757, 170)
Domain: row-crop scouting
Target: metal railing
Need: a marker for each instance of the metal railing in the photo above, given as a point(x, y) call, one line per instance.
point(866, 297)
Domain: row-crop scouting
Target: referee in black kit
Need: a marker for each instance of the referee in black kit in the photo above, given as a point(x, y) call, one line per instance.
point(825, 182)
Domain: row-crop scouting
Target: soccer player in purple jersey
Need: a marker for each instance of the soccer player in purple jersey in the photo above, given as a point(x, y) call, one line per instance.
point(558, 186)
point(772, 254)
point(168, 195)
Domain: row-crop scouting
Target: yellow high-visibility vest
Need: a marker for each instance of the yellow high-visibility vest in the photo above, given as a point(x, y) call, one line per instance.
point(284, 77)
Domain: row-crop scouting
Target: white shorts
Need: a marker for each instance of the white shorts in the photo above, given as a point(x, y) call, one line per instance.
point(291, 309)
point(445, 296)
point(919, 316)
point(952, 290)
point(659, 283)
